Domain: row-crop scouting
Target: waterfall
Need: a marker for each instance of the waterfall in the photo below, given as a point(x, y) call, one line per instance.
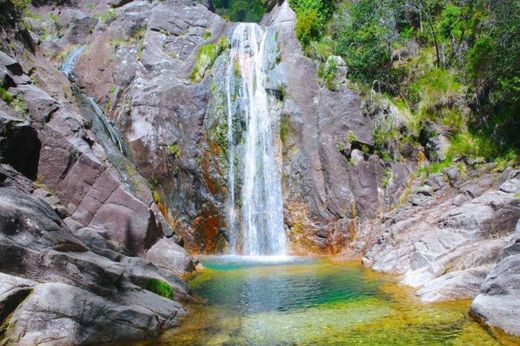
point(68, 64)
point(261, 208)
point(114, 136)
point(67, 67)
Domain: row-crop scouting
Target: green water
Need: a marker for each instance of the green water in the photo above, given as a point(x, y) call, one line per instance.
point(314, 302)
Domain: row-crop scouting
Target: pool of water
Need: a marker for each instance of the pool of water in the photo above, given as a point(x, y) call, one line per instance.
point(307, 301)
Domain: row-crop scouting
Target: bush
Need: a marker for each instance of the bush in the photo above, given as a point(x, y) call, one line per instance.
point(312, 17)
point(307, 28)
point(327, 72)
point(6, 95)
point(174, 149)
point(364, 41)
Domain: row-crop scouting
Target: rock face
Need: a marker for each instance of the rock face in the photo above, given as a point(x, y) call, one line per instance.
point(145, 56)
point(325, 186)
point(498, 301)
point(55, 290)
point(446, 242)
point(74, 216)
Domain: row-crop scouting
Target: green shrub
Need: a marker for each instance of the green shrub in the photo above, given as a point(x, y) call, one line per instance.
point(387, 177)
point(206, 57)
point(159, 287)
point(312, 17)
point(6, 95)
point(327, 72)
point(364, 40)
point(174, 149)
point(20, 106)
point(307, 28)
point(55, 20)
point(21, 4)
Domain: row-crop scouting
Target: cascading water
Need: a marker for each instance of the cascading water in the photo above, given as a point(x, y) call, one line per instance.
point(67, 67)
point(261, 211)
point(68, 64)
point(114, 136)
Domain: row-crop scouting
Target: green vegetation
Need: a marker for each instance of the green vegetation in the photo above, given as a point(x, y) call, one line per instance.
point(107, 16)
point(174, 149)
point(6, 95)
point(387, 177)
point(16, 102)
point(19, 105)
point(156, 197)
point(55, 20)
point(312, 16)
point(206, 57)
point(136, 38)
point(449, 66)
point(160, 287)
point(21, 4)
point(327, 73)
point(240, 10)
point(284, 128)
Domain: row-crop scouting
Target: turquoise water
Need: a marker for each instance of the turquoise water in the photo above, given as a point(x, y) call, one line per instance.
point(281, 286)
point(306, 301)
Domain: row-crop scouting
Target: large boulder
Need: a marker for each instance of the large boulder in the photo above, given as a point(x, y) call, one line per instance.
point(53, 289)
point(166, 254)
point(57, 313)
point(498, 302)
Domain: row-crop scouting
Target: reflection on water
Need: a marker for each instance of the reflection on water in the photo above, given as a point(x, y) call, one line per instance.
point(304, 301)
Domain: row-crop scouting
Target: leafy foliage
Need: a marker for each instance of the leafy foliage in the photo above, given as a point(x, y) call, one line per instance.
point(453, 63)
point(365, 40)
point(174, 149)
point(312, 17)
point(5, 95)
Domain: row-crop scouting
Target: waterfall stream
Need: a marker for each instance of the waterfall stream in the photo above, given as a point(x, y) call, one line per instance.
point(67, 67)
point(70, 61)
point(261, 230)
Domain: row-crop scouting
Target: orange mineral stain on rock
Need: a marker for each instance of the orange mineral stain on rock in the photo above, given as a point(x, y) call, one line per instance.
point(207, 230)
